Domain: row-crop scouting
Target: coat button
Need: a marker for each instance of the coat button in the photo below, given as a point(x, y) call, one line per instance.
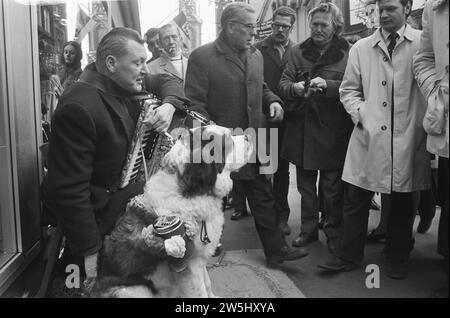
point(384, 104)
point(385, 59)
point(383, 83)
point(383, 127)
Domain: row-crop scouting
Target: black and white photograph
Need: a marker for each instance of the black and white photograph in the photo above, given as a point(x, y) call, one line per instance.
point(253, 152)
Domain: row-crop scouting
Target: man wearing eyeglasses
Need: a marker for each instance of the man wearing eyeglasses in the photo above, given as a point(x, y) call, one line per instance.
point(275, 50)
point(225, 81)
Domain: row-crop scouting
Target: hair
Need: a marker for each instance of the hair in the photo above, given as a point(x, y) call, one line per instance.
point(151, 33)
point(404, 3)
point(234, 10)
point(78, 57)
point(336, 16)
point(115, 43)
point(166, 26)
point(285, 12)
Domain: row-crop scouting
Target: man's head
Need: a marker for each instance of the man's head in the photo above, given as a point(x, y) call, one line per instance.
point(393, 13)
point(238, 21)
point(325, 21)
point(170, 39)
point(282, 21)
point(121, 57)
point(151, 38)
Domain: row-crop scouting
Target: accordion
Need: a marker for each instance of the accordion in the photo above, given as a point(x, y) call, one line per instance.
point(148, 147)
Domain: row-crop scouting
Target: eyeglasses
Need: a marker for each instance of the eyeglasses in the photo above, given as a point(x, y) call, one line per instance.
point(248, 26)
point(282, 26)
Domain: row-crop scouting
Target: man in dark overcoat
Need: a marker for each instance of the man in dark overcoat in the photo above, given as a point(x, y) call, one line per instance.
point(317, 126)
point(275, 50)
point(92, 130)
point(225, 82)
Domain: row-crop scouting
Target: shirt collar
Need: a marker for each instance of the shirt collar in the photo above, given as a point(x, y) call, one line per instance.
point(386, 34)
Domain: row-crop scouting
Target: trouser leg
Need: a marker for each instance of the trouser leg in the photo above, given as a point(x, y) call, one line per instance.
point(333, 198)
point(354, 223)
point(239, 196)
point(306, 184)
point(281, 190)
point(260, 199)
point(399, 229)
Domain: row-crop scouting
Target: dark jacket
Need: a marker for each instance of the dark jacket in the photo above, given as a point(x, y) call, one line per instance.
point(318, 128)
point(273, 65)
point(92, 129)
point(227, 90)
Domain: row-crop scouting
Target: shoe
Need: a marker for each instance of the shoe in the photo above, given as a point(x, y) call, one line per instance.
point(424, 226)
point(285, 254)
point(238, 215)
point(374, 237)
point(397, 269)
point(284, 227)
point(303, 239)
point(338, 265)
point(374, 205)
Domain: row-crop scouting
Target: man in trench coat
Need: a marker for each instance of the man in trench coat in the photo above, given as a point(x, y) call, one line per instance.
point(386, 152)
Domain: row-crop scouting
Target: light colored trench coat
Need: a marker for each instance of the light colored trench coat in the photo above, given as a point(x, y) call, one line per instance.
point(431, 65)
point(379, 159)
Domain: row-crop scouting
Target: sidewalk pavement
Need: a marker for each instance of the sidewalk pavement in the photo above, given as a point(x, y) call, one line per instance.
point(243, 274)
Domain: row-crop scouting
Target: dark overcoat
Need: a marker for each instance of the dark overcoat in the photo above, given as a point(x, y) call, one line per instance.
point(273, 64)
point(317, 128)
point(230, 89)
point(92, 130)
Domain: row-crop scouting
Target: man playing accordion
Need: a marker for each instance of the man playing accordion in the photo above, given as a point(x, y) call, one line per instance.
point(92, 129)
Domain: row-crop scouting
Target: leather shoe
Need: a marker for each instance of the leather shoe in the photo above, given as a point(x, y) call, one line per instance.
point(338, 265)
point(397, 269)
point(238, 215)
point(285, 254)
point(304, 238)
point(424, 226)
point(284, 227)
point(374, 237)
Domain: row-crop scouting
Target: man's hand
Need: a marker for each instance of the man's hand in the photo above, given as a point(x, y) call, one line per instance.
point(90, 265)
point(276, 113)
point(318, 82)
point(160, 117)
point(299, 88)
point(316, 86)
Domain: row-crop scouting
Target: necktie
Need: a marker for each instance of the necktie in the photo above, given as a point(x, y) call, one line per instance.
point(393, 37)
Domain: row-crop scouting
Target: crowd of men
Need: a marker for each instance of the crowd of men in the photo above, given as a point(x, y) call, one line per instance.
point(356, 120)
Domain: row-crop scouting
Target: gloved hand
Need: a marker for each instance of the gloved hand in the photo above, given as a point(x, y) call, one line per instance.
point(175, 246)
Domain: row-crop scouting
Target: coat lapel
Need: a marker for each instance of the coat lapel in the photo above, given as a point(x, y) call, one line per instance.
point(230, 55)
point(115, 98)
point(168, 67)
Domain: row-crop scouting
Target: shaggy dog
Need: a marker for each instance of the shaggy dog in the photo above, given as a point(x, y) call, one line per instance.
point(193, 179)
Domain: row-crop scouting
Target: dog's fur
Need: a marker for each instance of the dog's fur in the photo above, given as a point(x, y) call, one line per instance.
point(132, 267)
